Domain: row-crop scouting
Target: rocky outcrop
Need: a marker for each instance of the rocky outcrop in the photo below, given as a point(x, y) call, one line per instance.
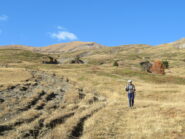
point(77, 60)
point(71, 60)
point(146, 66)
point(49, 60)
point(158, 67)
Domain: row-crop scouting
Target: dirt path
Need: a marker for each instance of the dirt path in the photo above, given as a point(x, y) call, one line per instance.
point(148, 119)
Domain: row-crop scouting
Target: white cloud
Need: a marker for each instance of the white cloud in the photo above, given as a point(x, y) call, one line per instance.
point(61, 28)
point(3, 17)
point(64, 35)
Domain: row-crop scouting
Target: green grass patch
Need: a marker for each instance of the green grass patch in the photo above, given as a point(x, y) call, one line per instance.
point(17, 55)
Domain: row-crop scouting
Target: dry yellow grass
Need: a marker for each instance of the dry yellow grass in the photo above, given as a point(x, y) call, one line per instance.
point(158, 111)
point(12, 76)
point(159, 106)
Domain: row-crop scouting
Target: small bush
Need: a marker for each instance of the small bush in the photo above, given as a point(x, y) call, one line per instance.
point(115, 64)
point(165, 64)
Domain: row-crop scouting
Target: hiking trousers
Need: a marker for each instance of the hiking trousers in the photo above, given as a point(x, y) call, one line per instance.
point(131, 99)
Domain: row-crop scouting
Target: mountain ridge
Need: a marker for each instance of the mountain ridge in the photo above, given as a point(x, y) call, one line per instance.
point(57, 48)
point(78, 45)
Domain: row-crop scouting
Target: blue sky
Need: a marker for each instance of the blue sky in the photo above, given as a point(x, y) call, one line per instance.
point(108, 22)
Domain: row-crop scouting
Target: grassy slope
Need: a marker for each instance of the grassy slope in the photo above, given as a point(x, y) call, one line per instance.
point(159, 109)
point(13, 63)
point(17, 56)
point(158, 112)
point(160, 99)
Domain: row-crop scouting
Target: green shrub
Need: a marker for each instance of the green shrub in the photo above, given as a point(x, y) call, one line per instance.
point(115, 64)
point(166, 64)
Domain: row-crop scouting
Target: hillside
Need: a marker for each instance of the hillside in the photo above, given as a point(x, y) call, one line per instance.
point(178, 44)
point(70, 47)
point(10, 55)
point(23, 47)
point(57, 48)
point(88, 101)
point(74, 46)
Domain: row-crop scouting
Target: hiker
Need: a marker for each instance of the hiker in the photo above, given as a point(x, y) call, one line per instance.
point(130, 89)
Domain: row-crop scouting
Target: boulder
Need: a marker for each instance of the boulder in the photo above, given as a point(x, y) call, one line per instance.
point(158, 67)
point(49, 60)
point(146, 66)
point(77, 60)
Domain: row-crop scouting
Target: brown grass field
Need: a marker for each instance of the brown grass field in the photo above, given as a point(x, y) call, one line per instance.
point(158, 111)
point(159, 105)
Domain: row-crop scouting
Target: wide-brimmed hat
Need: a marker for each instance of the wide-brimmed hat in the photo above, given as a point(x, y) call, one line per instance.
point(129, 81)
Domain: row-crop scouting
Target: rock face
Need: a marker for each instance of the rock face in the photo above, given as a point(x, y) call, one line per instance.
point(49, 60)
point(146, 66)
point(77, 60)
point(158, 67)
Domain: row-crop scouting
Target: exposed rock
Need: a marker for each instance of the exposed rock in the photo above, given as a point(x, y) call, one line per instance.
point(23, 88)
point(1, 100)
point(83, 54)
point(146, 66)
point(158, 67)
point(65, 60)
point(77, 60)
point(49, 60)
